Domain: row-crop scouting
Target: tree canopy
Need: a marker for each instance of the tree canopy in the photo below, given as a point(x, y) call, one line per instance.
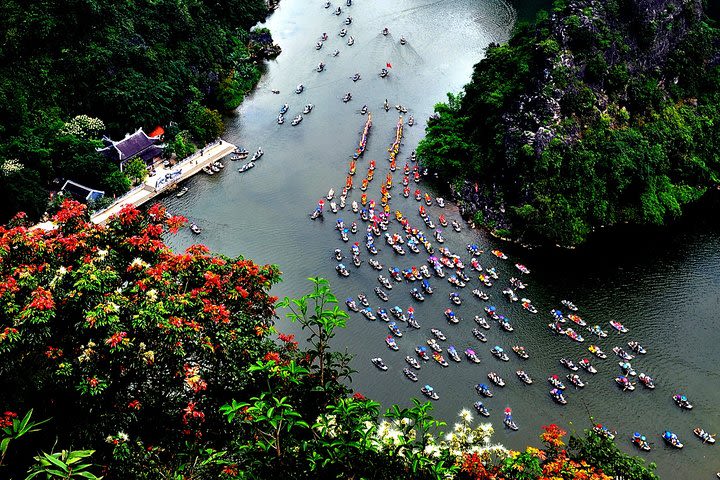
point(599, 114)
point(126, 65)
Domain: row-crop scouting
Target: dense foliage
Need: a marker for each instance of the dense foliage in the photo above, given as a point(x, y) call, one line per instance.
point(145, 364)
point(127, 64)
point(114, 336)
point(598, 114)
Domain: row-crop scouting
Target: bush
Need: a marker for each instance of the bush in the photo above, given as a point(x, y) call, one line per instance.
point(114, 333)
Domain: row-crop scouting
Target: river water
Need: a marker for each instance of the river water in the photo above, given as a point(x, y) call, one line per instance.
point(664, 287)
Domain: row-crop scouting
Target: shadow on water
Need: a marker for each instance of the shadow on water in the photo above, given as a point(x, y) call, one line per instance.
point(615, 248)
point(527, 9)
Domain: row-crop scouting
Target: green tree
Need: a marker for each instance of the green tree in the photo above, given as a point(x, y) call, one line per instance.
point(122, 341)
point(136, 170)
point(204, 124)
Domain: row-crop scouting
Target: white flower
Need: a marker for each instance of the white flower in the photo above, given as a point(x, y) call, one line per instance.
point(11, 166)
point(393, 435)
point(466, 415)
point(123, 436)
point(383, 429)
point(331, 420)
point(83, 126)
point(152, 294)
point(62, 271)
point(432, 451)
point(102, 254)
point(138, 262)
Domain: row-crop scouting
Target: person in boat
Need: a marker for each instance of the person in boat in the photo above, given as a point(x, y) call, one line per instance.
point(385, 31)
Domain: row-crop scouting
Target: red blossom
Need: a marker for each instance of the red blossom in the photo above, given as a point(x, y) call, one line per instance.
point(128, 214)
point(69, 209)
point(9, 332)
point(135, 405)
point(53, 353)
point(8, 285)
point(552, 436)
point(218, 313)
point(212, 280)
point(6, 419)
point(230, 470)
point(176, 222)
point(358, 396)
point(473, 465)
point(42, 300)
point(285, 338)
point(115, 339)
point(157, 211)
point(191, 413)
point(289, 341)
point(274, 356)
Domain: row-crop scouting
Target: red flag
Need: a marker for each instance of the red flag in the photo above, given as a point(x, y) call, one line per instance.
point(388, 65)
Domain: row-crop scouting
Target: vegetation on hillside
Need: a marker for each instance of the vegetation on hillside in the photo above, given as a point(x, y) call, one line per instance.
point(120, 66)
point(597, 114)
point(123, 359)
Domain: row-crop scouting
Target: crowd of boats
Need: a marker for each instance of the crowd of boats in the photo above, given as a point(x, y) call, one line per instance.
point(299, 117)
point(470, 280)
point(375, 219)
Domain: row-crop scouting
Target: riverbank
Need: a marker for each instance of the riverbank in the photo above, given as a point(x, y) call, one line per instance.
point(167, 178)
point(480, 212)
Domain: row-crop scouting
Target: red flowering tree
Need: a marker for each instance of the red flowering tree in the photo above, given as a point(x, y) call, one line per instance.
point(116, 337)
point(552, 463)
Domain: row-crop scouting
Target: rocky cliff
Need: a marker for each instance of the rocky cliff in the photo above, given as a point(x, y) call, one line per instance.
point(600, 112)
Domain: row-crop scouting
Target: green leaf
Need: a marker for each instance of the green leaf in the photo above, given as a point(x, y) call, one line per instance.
point(88, 475)
point(55, 461)
point(4, 444)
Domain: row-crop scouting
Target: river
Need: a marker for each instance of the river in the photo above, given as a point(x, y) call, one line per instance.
point(664, 287)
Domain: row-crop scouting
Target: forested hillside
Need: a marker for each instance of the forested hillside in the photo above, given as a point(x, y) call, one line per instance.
point(125, 65)
point(599, 113)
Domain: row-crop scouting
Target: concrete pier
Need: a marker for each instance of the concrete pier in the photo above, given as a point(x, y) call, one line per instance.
point(165, 178)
